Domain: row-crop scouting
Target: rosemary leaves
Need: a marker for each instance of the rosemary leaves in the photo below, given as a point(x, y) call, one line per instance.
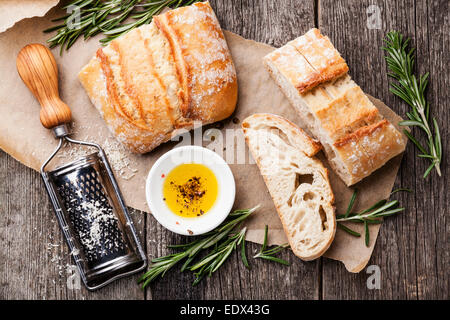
point(412, 90)
point(372, 215)
point(112, 18)
point(220, 242)
point(268, 254)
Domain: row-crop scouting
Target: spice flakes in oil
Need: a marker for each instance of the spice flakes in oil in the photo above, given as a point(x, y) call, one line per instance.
point(190, 190)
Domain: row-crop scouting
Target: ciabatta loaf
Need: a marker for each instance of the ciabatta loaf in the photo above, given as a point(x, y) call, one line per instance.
point(313, 76)
point(161, 77)
point(297, 182)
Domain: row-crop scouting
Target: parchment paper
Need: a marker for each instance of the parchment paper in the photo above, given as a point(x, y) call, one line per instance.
point(12, 11)
point(22, 135)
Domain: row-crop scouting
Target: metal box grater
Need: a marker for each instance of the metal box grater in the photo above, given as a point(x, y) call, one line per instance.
point(94, 220)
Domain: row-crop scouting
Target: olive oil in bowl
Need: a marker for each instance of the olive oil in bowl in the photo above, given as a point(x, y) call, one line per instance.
point(190, 190)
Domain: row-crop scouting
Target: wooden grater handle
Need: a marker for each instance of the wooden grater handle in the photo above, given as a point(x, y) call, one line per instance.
point(37, 68)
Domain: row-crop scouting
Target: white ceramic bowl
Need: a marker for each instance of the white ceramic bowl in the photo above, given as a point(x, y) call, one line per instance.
point(214, 216)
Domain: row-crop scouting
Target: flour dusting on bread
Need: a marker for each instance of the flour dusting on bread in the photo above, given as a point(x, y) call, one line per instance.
point(162, 77)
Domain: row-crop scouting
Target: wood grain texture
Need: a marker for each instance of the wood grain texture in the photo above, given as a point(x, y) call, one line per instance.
point(38, 70)
point(412, 249)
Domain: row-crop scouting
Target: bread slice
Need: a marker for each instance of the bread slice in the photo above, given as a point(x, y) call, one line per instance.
point(355, 137)
point(297, 182)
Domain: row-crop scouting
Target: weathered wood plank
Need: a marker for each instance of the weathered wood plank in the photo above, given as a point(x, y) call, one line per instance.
point(409, 245)
point(274, 23)
point(33, 254)
point(432, 204)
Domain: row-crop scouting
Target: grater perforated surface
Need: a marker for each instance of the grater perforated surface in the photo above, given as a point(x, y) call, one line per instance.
point(93, 220)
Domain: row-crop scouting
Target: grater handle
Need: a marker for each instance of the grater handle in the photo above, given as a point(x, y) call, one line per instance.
point(37, 68)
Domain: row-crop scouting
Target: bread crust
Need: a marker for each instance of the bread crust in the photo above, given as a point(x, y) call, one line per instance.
point(182, 67)
point(308, 147)
point(347, 113)
point(308, 61)
point(95, 86)
point(295, 68)
point(356, 139)
point(134, 98)
point(203, 59)
point(321, 55)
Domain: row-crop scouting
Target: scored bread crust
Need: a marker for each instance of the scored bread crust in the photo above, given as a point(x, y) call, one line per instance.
point(295, 67)
point(162, 77)
point(318, 50)
point(356, 139)
point(203, 58)
point(297, 182)
point(136, 138)
point(308, 61)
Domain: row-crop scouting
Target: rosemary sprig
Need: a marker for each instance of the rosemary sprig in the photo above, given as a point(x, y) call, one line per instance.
point(400, 62)
point(372, 215)
point(269, 254)
point(210, 263)
point(88, 18)
point(223, 240)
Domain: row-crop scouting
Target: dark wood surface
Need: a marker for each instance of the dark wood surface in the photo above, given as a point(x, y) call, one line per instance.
point(412, 249)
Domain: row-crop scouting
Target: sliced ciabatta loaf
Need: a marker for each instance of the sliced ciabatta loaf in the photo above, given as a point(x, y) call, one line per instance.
point(297, 182)
point(313, 76)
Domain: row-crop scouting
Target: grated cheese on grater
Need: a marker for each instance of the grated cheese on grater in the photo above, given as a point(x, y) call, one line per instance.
point(100, 218)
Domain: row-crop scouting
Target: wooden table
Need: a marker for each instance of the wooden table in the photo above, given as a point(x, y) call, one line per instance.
point(412, 249)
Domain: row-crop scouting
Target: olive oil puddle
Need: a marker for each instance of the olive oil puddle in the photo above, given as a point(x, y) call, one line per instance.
point(190, 190)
